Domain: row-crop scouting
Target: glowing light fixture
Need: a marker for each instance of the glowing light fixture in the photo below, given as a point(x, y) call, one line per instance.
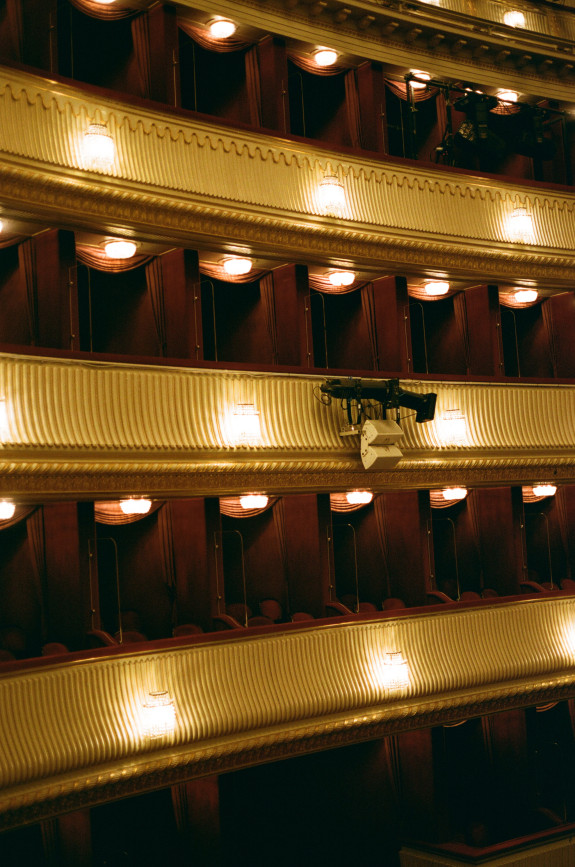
point(99, 148)
point(236, 266)
point(395, 671)
point(526, 296)
point(246, 424)
point(514, 18)
point(135, 506)
point(254, 501)
point(159, 715)
point(521, 225)
point(341, 278)
point(7, 510)
point(325, 57)
point(544, 490)
point(507, 96)
point(4, 425)
point(419, 85)
point(452, 427)
point(120, 249)
point(437, 287)
point(221, 28)
point(1, 225)
point(331, 196)
point(105, 2)
point(359, 498)
point(454, 493)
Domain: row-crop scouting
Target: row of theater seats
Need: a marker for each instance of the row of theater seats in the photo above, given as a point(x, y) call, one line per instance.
point(13, 643)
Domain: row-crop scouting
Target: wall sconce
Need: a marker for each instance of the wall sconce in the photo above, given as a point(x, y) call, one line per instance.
point(359, 498)
point(514, 18)
point(341, 278)
point(1, 226)
point(507, 96)
point(254, 501)
point(7, 510)
point(454, 493)
point(246, 424)
point(159, 715)
point(221, 28)
point(120, 249)
point(236, 266)
point(419, 85)
point(325, 57)
point(4, 424)
point(135, 506)
point(452, 427)
point(437, 287)
point(99, 148)
point(395, 671)
point(544, 490)
point(331, 195)
point(521, 226)
point(526, 296)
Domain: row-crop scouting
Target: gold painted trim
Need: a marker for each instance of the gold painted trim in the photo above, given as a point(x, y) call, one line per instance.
point(243, 701)
point(183, 174)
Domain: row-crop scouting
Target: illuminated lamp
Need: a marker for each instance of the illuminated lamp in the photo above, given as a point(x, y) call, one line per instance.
point(325, 57)
point(254, 501)
point(331, 196)
point(395, 671)
point(7, 510)
point(99, 148)
point(514, 18)
point(246, 424)
point(135, 506)
point(105, 2)
point(544, 490)
point(507, 96)
point(120, 249)
point(454, 493)
point(341, 278)
point(159, 715)
point(436, 287)
point(237, 266)
point(1, 225)
point(525, 296)
point(221, 28)
point(359, 498)
point(419, 85)
point(521, 225)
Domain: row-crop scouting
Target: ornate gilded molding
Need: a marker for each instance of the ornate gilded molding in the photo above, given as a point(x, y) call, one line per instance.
point(244, 698)
point(458, 40)
point(76, 428)
point(173, 180)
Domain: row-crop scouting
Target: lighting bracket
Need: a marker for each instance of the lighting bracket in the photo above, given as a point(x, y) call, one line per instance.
point(387, 392)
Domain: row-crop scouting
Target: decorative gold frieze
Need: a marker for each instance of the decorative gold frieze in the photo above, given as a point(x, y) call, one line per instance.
point(241, 699)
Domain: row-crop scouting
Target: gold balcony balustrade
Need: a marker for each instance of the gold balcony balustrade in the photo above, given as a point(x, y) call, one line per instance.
point(75, 732)
point(78, 429)
point(184, 182)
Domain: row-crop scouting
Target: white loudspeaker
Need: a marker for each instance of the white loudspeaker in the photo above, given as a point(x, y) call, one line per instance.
point(378, 451)
point(381, 432)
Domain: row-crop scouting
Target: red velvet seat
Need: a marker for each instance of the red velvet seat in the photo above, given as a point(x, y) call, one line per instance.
point(392, 603)
point(187, 629)
point(260, 620)
point(271, 608)
point(298, 616)
point(54, 648)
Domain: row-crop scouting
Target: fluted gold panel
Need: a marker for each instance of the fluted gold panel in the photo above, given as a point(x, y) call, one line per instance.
point(68, 728)
point(147, 424)
point(183, 174)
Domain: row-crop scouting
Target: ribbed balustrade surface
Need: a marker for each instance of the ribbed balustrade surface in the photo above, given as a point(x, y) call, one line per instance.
point(69, 731)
